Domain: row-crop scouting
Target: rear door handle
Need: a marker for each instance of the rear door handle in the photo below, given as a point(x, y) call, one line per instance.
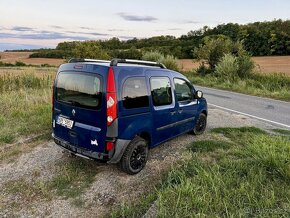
point(180, 111)
point(172, 112)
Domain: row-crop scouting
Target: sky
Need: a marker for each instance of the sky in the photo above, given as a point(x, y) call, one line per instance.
point(26, 24)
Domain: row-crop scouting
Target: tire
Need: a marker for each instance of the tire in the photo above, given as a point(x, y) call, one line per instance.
point(135, 156)
point(200, 125)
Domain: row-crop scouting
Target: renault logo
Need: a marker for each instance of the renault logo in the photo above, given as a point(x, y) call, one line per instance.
point(73, 112)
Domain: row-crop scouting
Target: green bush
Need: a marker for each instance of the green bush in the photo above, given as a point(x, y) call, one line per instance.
point(228, 67)
point(231, 67)
point(246, 65)
point(215, 47)
point(202, 70)
point(20, 64)
point(152, 56)
point(169, 61)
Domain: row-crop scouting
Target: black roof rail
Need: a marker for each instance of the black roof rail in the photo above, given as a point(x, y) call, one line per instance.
point(117, 61)
point(76, 60)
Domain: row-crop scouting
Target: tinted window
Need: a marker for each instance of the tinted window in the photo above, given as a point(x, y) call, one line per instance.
point(183, 90)
point(79, 89)
point(134, 94)
point(161, 91)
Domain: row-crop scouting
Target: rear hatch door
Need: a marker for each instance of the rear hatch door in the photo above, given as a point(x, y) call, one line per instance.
point(79, 115)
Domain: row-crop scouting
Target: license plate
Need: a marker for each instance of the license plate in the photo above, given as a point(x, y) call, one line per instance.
point(65, 122)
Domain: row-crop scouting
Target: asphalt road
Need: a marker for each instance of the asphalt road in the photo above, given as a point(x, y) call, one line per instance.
point(264, 109)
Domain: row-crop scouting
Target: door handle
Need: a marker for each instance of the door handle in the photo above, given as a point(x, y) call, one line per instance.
point(180, 111)
point(172, 112)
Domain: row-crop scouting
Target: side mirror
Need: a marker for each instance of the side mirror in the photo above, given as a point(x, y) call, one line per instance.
point(198, 94)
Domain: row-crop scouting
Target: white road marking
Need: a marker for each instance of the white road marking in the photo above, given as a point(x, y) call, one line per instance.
point(249, 115)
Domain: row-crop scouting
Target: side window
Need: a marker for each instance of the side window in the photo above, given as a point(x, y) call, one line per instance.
point(161, 91)
point(183, 90)
point(134, 93)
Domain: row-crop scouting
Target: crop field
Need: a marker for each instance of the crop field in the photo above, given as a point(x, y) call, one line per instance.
point(273, 64)
point(12, 57)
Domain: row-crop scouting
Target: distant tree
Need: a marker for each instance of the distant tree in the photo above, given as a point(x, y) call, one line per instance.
point(214, 48)
point(89, 49)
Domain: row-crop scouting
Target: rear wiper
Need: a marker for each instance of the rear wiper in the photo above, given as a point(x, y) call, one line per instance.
point(75, 103)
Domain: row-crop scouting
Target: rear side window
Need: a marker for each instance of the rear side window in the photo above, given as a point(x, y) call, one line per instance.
point(134, 93)
point(79, 89)
point(183, 90)
point(161, 91)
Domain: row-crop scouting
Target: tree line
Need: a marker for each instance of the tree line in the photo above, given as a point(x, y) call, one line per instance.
point(259, 39)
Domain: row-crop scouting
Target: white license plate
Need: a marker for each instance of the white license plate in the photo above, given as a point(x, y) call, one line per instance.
point(65, 122)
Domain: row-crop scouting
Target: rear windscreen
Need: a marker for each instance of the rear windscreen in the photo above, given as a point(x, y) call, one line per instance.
point(79, 89)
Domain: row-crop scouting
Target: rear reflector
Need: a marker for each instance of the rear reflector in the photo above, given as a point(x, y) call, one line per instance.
point(109, 146)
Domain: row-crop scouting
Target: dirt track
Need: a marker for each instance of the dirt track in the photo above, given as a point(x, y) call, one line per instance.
point(110, 187)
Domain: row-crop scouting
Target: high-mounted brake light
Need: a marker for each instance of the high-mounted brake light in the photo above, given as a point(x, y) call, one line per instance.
point(78, 66)
point(111, 98)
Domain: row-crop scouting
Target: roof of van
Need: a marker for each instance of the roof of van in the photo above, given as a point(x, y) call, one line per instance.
point(116, 62)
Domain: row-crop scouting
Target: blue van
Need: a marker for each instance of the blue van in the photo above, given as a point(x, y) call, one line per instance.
point(116, 110)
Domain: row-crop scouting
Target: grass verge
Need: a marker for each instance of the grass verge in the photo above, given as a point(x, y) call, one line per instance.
point(276, 86)
point(247, 174)
point(25, 104)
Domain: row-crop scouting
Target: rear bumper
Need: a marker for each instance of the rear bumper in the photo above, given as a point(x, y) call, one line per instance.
point(120, 147)
point(80, 151)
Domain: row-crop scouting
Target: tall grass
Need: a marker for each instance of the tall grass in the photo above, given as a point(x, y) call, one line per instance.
point(251, 178)
point(25, 104)
point(10, 82)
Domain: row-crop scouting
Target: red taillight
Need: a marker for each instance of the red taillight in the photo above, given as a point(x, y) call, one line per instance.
point(111, 98)
point(109, 146)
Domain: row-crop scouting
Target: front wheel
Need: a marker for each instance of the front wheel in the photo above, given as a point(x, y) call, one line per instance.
point(135, 157)
point(200, 125)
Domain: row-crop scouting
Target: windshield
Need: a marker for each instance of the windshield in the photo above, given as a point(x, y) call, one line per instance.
point(79, 89)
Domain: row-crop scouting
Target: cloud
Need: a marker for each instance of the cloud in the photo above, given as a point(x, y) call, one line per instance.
point(173, 29)
point(22, 29)
point(44, 35)
point(86, 28)
point(189, 22)
point(88, 33)
point(116, 30)
point(57, 27)
point(126, 37)
point(13, 46)
point(130, 17)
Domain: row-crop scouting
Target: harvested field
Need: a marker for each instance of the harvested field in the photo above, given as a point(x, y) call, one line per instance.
point(273, 64)
point(12, 57)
